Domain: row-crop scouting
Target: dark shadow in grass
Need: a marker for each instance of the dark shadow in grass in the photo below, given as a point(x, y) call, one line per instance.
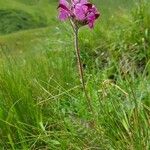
point(15, 20)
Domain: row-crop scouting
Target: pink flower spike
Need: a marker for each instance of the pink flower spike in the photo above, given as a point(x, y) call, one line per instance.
point(81, 12)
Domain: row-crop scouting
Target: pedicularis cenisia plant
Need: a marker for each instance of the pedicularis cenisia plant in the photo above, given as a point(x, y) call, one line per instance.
point(79, 13)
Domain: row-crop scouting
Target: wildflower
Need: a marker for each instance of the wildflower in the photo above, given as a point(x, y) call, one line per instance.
point(81, 12)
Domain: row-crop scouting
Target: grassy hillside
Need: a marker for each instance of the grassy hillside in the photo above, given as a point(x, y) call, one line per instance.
point(20, 15)
point(41, 101)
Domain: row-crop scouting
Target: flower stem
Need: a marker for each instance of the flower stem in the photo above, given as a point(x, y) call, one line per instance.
point(80, 69)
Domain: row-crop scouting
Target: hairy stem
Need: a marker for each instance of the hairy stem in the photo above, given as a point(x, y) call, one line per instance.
point(80, 69)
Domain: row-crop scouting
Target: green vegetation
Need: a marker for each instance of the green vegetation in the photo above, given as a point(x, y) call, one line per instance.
point(41, 102)
point(15, 20)
point(16, 15)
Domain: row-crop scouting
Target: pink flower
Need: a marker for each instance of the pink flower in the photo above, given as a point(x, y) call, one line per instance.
point(81, 12)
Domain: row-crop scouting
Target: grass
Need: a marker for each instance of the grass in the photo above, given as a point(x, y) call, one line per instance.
point(42, 105)
point(17, 15)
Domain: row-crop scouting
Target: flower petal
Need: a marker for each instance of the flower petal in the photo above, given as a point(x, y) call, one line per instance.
point(64, 2)
point(91, 19)
point(64, 11)
point(80, 11)
point(63, 14)
point(63, 7)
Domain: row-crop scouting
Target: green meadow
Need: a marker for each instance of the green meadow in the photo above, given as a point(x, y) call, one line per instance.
point(42, 104)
